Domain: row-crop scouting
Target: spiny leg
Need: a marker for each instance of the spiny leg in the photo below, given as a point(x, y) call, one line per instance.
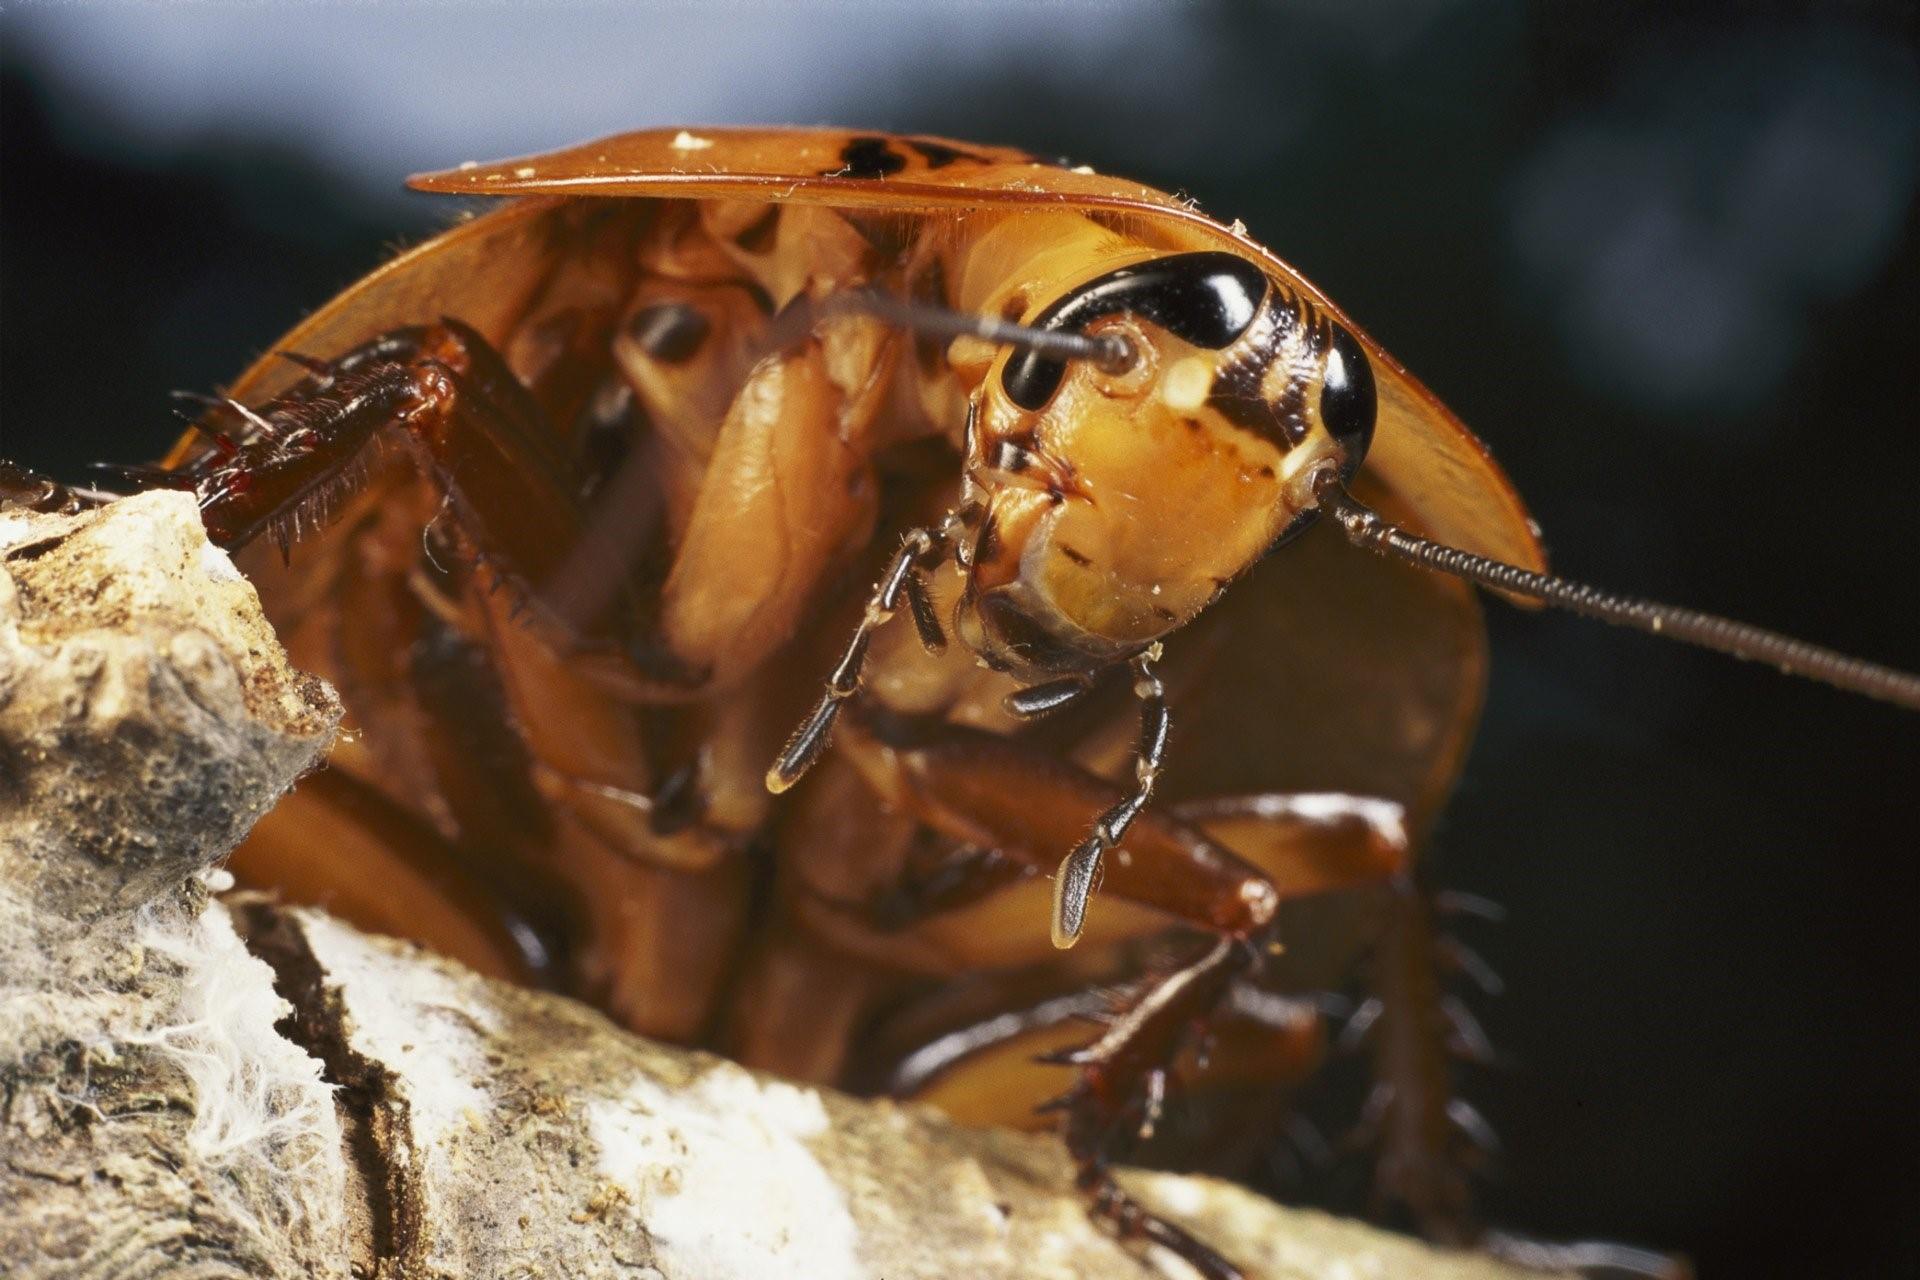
point(903, 580)
point(440, 388)
point(1122, 1084)
point(1428, 1140)
point(1022, 801)
point(1132, 1220)
point(1080, 871)
point(970, 1046)
point(25, 490)
point(1026, 803)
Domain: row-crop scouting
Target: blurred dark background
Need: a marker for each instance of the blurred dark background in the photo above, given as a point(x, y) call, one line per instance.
point(1661, 256)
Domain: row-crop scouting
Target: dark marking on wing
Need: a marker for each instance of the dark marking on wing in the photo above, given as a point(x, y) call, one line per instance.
point(868, 156)
point(1078, 557)
point(939, 155)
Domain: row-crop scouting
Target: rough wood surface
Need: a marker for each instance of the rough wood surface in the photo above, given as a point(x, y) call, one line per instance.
point(192, 1087)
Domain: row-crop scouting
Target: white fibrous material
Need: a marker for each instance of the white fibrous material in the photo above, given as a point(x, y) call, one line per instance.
point(257, 1097)
point(147, 715)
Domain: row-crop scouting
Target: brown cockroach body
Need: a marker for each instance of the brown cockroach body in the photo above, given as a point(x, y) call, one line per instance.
point(590, 490)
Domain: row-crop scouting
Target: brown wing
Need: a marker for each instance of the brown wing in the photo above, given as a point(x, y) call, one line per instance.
point(845, 168)
point(484, 271)
point(1449, 482)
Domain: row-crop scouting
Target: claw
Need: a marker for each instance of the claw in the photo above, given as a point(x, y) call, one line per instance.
point(1354, 1034)
point(1073, 884)
point(312, 364)
point(1473, 1125)
point(1451, 902)
point(1470, 962)
point(1469, 1038)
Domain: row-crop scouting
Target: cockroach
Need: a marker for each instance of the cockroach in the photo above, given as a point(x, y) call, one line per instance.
point(599, 494)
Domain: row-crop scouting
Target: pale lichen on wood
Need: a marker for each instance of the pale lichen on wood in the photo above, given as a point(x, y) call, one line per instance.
point(207, 1088)
point(154, 1118)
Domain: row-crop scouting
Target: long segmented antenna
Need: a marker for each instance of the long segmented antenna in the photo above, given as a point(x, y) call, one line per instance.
point(1365, 528)
point(1109, 350)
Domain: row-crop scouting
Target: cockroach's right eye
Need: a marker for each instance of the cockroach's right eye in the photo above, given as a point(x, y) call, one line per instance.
point(1347, 401)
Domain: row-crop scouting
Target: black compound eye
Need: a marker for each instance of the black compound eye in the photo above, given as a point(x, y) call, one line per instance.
point(1347, 401)
point(1207, 299)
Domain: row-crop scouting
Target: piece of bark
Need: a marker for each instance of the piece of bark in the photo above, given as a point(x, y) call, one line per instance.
point(291, 1098)
point(154, 1121)
point(518, 1133)
point(150, 716)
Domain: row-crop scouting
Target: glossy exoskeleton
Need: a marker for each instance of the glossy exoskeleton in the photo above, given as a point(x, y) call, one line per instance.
point(589, 493)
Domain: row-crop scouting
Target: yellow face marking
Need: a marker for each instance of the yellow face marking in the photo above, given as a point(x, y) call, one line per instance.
point(1185, 384)
point(1298, 460)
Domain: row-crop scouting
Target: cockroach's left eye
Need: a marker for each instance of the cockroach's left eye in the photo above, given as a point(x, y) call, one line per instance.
point(1206, 299)
point(1347, 403)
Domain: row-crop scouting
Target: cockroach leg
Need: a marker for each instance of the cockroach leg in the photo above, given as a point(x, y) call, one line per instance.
point(1596, 1258)
point(312, 364)
point(1426, 1136)
point(982, 788)
point(1074, 883)
point(1132, 1221)
point(918, 551)
point(21, 489)
point(442, 390)
point(962, 877)
point(1121, 1077)
point(388, 870)
point(972, 785)
point(926, 621)
point(1037, 700)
